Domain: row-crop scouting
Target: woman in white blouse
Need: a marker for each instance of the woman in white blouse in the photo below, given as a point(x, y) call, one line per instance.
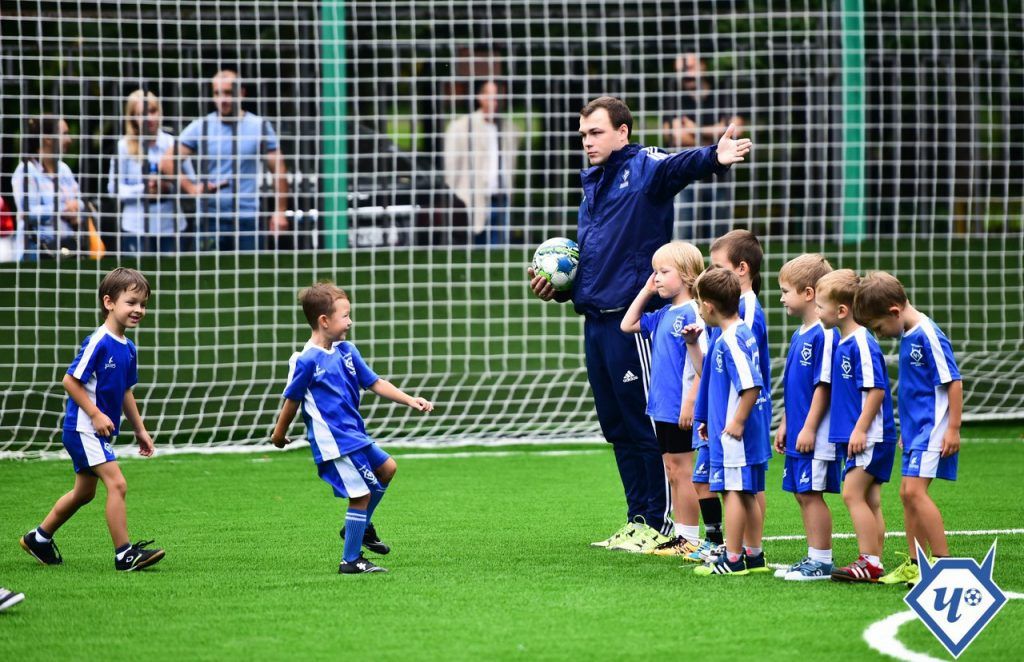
point(46, 193)
point(150, 220)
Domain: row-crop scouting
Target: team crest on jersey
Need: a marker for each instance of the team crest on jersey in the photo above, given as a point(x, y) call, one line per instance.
point(677, 327)
point(110, 364)
point(625, 178)
point(846, 367)
point(806, 353)
point(350, 365)
point(916, 355)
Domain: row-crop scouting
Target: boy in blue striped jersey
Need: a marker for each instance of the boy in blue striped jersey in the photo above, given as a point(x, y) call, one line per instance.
point(931, 403)
point(735, 425)
point(326, 378)
point(99, 385)
point(811, 464)
point(861, 422)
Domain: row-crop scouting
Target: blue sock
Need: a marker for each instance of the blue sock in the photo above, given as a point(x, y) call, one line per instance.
point(375, 497)
point(355, 527)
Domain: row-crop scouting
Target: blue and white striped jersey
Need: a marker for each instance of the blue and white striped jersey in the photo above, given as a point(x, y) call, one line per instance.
point(107, 365)
point(672, 371)
point(328, 384)
point(927, 367)
point(808, 364)
point(858, 366)
point(734, 369)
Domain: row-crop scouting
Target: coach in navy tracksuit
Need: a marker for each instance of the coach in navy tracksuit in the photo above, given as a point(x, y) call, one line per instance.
point(625, 215)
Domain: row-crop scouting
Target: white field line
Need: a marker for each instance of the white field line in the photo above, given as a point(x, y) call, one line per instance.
point(882, 635)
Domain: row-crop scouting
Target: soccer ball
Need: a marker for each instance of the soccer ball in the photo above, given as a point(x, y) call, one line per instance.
point(556, 260)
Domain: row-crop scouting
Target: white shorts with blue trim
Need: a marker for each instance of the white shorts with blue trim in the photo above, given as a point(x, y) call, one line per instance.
point(702, 465)
point(806, 474)
point(87, 450)
point(929, 464)
point(351, 476)
point(738, 479)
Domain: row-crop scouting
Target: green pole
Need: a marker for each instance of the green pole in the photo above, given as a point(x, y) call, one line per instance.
point(332, 173)
point(853, 120)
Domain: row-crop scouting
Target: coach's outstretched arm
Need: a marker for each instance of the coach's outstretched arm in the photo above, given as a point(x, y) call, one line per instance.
point(674, 172)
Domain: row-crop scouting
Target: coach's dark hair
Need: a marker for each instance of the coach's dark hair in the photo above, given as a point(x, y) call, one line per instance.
point(618, 112)
point(743, 246)
point(36, 130)
point(319, 300)
point(119, 281)
point(721, 287)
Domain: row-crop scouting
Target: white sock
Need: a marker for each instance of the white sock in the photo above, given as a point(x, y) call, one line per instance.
point(753, 551)
point(40, 538)
point(873, 560)
point(690, 533)
point(820, 555)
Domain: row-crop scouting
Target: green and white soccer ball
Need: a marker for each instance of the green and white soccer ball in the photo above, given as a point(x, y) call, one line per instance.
point(556, 260)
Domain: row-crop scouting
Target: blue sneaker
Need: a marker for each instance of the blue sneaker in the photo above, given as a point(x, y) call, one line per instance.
point(782, 572)
point(721, 566)
point(810, 571)
point(756, 564)
point(701, 555)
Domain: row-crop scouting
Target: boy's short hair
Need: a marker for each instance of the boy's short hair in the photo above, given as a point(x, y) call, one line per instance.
point(119, 281)
point(721, 287)
point(685, 257)
point(840, 286)
point(618, 112)
point(877, 292)
point(742, 246)
point(803, 271)
point(319, 300)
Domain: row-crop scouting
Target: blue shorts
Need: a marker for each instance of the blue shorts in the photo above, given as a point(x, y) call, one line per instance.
point(929, 464)
point(351, 476)
point(876, 459)
point(702, 465)
point(805, 474)
point(87, 449)
point(738, 479)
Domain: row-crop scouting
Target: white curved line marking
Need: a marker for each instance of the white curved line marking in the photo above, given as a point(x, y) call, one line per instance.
point(881, 636)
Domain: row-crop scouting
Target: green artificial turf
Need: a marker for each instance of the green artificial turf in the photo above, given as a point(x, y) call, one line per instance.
point(490, 561)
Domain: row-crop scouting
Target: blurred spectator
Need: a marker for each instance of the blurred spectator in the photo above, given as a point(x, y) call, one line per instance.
point(696, 116)
point(227, 146)
point(479, 159)
point(150, 220)
point(46, 194)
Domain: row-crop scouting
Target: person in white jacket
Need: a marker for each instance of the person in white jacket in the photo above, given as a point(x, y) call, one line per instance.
point(150, 218)
point(479, 160)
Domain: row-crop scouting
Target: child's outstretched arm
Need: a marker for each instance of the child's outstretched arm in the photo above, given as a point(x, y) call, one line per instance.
point(100, 422)
point(131, 412)
point(631, 320)
point(386, 389)
point(951, 440)
point(284, 419)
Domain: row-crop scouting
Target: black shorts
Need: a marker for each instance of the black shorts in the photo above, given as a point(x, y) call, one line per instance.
point(673, 440)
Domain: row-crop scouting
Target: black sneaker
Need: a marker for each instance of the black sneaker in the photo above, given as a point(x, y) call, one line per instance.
point(358, 567)
point(44, 552)
point(137, 558)
point(371, 541)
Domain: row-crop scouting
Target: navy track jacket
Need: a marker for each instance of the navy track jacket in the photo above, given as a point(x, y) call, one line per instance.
point(627, 214)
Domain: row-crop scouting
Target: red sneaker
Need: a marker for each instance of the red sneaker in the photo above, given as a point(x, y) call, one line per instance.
point(858, 571)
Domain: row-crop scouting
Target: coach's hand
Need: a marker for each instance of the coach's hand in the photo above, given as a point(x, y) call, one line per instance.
point(731, 150)
point(541, 286)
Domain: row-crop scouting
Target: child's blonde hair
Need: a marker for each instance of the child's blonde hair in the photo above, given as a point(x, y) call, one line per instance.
point(877, 292)
point(685, 257)
point(804, 271)
point(839, 287)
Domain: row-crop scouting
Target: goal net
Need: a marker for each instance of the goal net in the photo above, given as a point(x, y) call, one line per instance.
point(884, 138)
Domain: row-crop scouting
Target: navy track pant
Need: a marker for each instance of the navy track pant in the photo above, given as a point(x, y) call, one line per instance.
point(618, 367)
